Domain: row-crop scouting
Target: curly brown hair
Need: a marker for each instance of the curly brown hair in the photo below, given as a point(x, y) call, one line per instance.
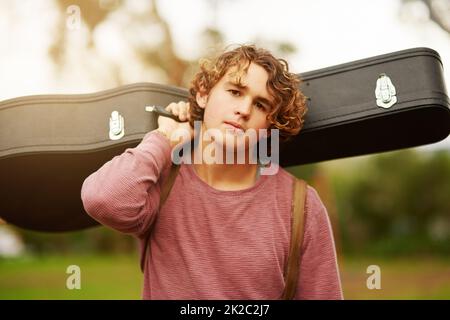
point(289, 103)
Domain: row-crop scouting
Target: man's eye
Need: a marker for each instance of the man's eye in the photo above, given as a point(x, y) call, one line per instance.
point(234, 92)
point(260, 106)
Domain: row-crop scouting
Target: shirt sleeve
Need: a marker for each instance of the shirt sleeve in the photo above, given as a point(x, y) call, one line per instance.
point(319, 277)
point(124, 193)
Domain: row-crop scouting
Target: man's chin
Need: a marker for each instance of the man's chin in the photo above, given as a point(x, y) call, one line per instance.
point(229, 139)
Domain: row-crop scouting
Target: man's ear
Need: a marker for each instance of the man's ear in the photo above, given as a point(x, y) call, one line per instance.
point(201, 99)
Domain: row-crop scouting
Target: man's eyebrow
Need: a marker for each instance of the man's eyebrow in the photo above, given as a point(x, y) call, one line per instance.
point(239, 85)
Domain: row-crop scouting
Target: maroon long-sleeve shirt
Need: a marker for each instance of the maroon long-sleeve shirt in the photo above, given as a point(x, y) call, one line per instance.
point(208, 243)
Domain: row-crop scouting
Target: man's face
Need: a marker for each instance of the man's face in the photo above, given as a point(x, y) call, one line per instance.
point(246, 104)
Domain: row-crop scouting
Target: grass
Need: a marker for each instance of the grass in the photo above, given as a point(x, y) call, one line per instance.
point(119, 277)
point(102, 277)
point(401, 278)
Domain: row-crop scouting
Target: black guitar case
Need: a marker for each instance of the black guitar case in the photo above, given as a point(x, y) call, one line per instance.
point(50, 143)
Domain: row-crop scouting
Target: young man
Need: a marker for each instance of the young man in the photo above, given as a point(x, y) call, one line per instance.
point(224, 230)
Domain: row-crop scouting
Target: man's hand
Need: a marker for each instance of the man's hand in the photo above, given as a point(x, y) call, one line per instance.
point(176, 132)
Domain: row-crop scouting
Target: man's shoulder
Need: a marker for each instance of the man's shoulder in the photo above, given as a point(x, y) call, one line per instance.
point(284, 176)
point(313, 200)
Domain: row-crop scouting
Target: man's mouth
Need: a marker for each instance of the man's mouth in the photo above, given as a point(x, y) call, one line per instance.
point(234, 125)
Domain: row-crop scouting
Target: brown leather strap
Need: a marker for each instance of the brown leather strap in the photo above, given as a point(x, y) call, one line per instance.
point(293, 265)
point(165, 190)
point(168, 184)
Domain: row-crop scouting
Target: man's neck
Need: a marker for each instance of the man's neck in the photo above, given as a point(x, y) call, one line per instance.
point(226, 176)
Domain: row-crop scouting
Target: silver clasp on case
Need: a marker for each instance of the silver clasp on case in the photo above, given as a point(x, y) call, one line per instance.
point(116, 126)
point(385, 92)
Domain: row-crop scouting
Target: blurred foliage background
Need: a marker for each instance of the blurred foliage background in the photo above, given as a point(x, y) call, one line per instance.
point(389, 209)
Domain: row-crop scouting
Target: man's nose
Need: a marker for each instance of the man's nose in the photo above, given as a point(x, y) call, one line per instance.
point(244, 107)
